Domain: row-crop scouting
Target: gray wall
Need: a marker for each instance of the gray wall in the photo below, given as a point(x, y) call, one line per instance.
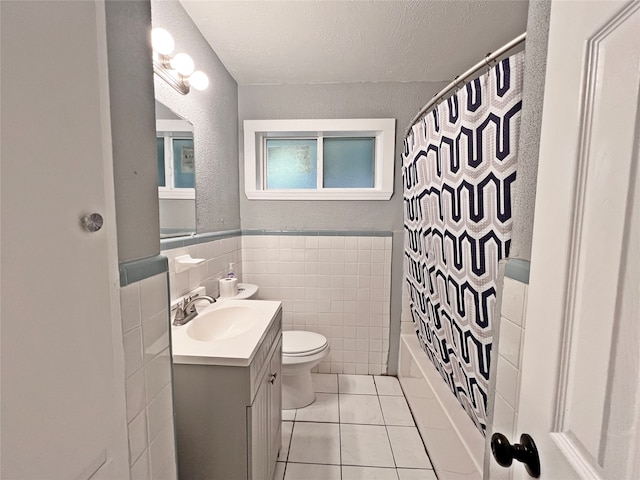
point(524, 195)
point(356, 100)
point(214, 115)
point(133, 128)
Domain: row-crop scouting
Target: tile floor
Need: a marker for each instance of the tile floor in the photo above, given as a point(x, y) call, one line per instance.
point(359, 428)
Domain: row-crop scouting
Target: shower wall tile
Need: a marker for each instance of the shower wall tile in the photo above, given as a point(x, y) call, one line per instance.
point(512, 322)
point(513, 297)
point(338, 286)
point(145, 320)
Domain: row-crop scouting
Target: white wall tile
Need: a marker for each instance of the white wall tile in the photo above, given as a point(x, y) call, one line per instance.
point(157, 374)
point(153, 295)
point(159, 412)
point(132, 342)
point(137, 436)
point(507, 381)
point(503, 417)
point(162, 451)
point(135, 393)
point(513, 295)
point(130, 307)
point(510, 341)
point(140, 470)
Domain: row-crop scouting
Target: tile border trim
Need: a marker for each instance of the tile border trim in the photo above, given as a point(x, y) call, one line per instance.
point(137, 270)
point(320, 233)
point(518, 269)
point(178, 242)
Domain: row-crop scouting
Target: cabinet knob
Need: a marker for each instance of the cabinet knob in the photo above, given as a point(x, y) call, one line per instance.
point(273, 378)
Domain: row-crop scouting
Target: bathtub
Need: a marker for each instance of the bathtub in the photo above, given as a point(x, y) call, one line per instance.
point(454, 444)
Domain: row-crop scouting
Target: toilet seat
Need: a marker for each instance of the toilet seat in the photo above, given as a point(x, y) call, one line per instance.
point(302, 344)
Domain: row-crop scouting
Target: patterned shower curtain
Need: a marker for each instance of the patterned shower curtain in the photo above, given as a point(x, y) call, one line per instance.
point(459, 166)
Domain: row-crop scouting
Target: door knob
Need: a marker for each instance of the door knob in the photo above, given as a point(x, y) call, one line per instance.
point(273, 377)
point(525, 452)
point(92, 222)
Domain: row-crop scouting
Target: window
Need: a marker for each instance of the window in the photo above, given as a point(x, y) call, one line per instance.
point(342, 159)
point(176, 166)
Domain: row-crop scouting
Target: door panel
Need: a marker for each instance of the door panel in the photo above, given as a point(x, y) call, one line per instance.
point(60, 410)
point(580, 362)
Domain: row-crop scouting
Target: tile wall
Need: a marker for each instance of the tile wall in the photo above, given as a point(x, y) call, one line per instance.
point(145, 322)
point(512, 322)
point(217, 253)
point(338, 286)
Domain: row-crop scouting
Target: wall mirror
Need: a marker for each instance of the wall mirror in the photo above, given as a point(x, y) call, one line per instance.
point(176, 173)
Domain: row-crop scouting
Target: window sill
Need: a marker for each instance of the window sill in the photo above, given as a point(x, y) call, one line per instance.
point(338, 194)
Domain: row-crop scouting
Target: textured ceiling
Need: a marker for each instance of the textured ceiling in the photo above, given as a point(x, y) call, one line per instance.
point(326, 41)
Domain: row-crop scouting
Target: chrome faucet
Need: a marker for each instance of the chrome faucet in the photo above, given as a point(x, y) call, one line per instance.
point(188, 312)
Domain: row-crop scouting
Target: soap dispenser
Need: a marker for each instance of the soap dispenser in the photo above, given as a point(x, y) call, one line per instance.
point(230, 271)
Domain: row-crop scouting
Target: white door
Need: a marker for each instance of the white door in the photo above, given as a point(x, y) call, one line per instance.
point(580, 389)
point(63, 412)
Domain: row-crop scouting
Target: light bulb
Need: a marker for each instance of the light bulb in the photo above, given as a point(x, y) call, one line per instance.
point(162, 41)
point(199, 80)
point(183, 64)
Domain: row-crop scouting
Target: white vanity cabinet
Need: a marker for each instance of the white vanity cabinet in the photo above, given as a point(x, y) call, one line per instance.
point(228, 417)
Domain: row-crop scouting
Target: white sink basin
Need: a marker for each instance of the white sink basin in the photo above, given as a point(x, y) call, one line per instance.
point(221, 323)
point(224, 333)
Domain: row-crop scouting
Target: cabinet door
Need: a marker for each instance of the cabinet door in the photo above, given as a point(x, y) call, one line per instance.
point(259, 435)
point(275, 407)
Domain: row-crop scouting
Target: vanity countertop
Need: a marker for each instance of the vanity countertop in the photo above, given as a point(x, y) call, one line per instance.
point(236, 350)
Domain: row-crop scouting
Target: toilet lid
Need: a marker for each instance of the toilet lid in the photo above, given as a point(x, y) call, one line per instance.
point(297, 343)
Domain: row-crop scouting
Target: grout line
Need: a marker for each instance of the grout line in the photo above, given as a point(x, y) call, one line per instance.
point(339, 423)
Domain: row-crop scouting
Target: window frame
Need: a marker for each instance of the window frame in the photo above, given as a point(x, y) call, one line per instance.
point(257, 131)
point(171, 130)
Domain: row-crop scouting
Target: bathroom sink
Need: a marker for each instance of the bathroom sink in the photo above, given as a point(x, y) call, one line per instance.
point(222, 323)
point(224, 333)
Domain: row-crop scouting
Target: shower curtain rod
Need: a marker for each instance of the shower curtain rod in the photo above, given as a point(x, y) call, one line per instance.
point(460, 79)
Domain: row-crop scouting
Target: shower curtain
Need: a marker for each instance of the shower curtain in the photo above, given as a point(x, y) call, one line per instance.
point(459, 167)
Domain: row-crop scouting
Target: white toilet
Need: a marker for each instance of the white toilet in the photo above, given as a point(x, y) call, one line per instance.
point(301, 351)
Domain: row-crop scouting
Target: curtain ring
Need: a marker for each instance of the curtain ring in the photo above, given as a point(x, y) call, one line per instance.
point(487, 61)
point(458, 86)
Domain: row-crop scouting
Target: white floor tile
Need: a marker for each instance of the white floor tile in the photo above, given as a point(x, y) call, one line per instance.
point(324, 409)
point(365, 445)
point(415, 474)
point(357, 384)
point(315, 443)
point(288, 415)
point(362, 409)
point(287, 428)
point(387, 385)
point(368, 473)
point(279, 473)
point(306, 471)
point(325, 382)
point(396, 411)
point(408, 449)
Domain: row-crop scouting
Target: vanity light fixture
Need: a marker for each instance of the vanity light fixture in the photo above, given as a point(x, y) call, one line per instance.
point(177, 70)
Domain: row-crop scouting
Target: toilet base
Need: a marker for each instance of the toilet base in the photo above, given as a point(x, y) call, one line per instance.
point(297, 390)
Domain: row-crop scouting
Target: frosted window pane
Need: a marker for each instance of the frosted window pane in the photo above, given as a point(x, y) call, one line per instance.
point(349, 162)
point(183, 163)
point(291, 164)
point(160, 148)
